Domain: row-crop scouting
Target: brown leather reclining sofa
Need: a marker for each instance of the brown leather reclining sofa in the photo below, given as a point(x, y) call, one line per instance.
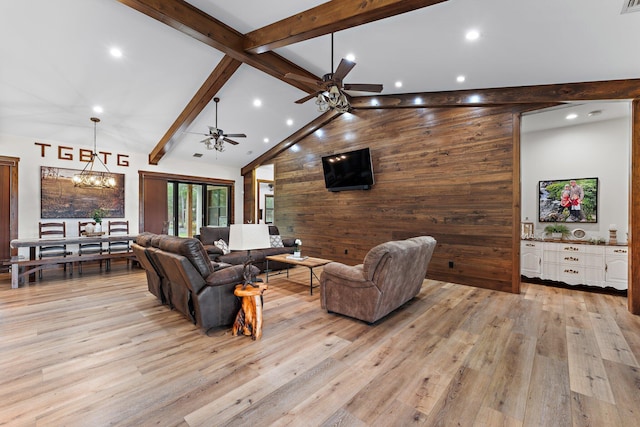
point(209, 235)
point(181, 275)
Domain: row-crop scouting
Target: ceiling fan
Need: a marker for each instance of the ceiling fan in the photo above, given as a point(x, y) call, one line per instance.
point(331, 93)
point(216, 137)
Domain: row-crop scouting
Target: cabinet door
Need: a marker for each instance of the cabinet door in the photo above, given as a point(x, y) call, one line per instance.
point(616, 273)
point(531, 259)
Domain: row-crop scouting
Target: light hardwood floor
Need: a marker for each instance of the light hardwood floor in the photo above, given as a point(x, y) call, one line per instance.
point(99, 350)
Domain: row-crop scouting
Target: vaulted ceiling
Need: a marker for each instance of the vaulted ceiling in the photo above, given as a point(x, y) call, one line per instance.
point(176, 56)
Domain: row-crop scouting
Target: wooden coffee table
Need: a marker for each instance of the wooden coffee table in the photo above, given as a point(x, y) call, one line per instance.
point(308, 262)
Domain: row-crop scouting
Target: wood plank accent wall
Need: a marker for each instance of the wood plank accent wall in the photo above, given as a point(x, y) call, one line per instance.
point(444, 172)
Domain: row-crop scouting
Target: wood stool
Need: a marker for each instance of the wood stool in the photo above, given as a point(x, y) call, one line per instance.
point(249, 318)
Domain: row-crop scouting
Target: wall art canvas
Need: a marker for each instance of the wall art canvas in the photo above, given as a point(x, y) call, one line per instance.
point(59, 198)
point(568, 200)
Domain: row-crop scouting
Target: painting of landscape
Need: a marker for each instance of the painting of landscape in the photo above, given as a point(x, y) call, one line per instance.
point(61, 199)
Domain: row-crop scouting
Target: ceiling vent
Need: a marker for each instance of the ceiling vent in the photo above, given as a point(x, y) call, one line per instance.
point(629, 6)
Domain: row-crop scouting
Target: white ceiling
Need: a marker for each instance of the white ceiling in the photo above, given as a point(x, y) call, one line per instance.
point(56, 65)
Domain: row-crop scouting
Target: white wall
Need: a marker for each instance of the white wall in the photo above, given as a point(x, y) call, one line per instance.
point(29, 179)
point(601, 150)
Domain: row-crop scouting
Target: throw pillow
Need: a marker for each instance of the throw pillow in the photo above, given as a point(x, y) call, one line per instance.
point(223, 246)
point(276, 241)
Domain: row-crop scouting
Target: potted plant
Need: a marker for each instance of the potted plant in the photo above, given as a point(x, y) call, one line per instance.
point(557, 231)
point(97, 216)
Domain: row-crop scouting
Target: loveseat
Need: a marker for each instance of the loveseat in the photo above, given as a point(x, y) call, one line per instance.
point(391, 274)
point(210, 235)
point(181, 275)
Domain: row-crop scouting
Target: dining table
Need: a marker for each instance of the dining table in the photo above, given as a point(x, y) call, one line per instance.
point(20, 266)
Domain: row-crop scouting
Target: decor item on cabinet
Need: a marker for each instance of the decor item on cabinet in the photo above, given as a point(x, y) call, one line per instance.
point(297, 252)
point(568, 200)
point(89, 177)
point(526, 230)
point(578, 233)
point(557, 231)
point(59, 198)
point(613, 236)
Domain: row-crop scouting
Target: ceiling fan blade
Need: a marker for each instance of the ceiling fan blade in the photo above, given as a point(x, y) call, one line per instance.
point(302, 78)
point(206, 140)
point(343, 69)
point(235, 135)
point(308, 97)
point(230, 141)
point(197, 133)
point(363, 87)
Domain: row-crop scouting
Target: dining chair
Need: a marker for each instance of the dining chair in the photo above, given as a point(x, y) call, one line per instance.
point(87, 248)
point(115, 228)
point(53, 229)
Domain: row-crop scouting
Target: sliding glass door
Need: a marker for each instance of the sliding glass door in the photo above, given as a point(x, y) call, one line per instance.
point(192, 205)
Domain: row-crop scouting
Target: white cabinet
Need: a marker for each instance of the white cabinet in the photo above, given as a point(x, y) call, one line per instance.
point(575, 263)
point(617, 266)
point(531, 258)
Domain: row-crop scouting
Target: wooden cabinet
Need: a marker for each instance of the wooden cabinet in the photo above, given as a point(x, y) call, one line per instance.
point(575, 263)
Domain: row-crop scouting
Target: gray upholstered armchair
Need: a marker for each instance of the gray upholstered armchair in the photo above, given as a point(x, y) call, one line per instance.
point(391, 275)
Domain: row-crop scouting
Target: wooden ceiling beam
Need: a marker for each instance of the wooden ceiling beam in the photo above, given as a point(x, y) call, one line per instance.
point(300, 134)
point(220, 75)
point(327, 18)
point(190, 20)
point(553, 93)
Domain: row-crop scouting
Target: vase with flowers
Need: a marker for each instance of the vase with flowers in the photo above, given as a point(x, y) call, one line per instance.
point(296, 250)
point(97, 216)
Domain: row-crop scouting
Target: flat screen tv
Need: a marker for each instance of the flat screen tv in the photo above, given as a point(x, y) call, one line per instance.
point(348, 171)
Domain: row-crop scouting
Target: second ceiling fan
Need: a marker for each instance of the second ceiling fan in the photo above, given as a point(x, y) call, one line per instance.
point(216, 137)
point(330, 94)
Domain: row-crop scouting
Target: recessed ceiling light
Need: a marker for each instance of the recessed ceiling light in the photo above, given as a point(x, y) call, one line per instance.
point(350, 57)
point(594, 113)
point(320, 132)
point(460, 79)
point(257, 102)
point(571, 116)
point(398, 83)
point(374, 102)
point(98, 109)
point(474, 99)
point(289, 122)
point(266, 140)
point(472, 35)
point(197, 154)
point(417, 101)
point(115, 52)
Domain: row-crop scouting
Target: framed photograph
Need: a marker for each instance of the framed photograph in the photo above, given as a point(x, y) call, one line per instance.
point(568, 200)
point(59, 198)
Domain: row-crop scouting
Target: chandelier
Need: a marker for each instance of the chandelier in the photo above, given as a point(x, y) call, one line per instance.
point(333, 99)
point(90, 178)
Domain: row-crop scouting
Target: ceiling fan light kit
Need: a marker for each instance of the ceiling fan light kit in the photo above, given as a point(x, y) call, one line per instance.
point(89, 178)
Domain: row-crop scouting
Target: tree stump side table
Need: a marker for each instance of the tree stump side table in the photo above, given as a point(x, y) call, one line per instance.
point(249, 318)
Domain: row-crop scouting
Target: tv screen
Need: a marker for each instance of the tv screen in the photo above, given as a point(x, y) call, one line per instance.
point(348, 171)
